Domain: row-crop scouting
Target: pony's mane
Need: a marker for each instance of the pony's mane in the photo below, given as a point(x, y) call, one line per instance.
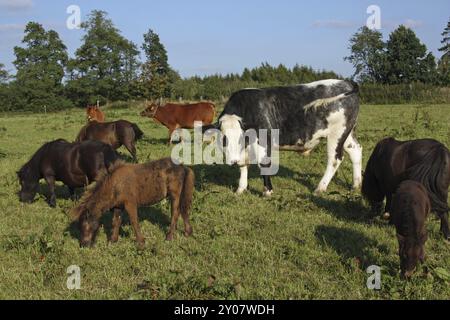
point(25, 169)
point(433, 168)
point(406, 221)
point(81, 133)
point(89, 198)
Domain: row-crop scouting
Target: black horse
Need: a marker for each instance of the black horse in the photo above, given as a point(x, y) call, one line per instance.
point(116, 134)
point(426, 161)
point(74, 164)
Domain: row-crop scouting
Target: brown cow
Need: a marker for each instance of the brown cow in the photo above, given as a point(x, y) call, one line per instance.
point(177, 116)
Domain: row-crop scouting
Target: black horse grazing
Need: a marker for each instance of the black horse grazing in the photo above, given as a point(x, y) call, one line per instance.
point(116, 134)
point(74, 164)
point(409, 211)
point(426, 161)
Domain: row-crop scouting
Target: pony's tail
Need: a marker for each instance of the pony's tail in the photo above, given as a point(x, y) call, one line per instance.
point(137, 132)
point(187, 192)
point(434, 173)
point(370, 188)
point(81, 135)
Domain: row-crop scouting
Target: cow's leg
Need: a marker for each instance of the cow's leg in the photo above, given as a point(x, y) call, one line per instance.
point(335, 155)
point(243, 180)
point(354, 150)
point(268, 188)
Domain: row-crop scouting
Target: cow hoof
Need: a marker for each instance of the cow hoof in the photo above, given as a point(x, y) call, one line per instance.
point(240, 191)
point(319, 192)
point(267, 193)
point(169, 237)
point(386, 216)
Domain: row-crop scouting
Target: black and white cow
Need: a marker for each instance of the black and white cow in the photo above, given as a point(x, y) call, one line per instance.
point(303, 114)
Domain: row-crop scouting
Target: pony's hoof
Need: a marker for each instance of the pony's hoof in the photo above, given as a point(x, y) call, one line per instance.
point(188, 233)
point(141, 245)
point(169, 237)
point(52, 204)
point(267, 193)
point(240, 191)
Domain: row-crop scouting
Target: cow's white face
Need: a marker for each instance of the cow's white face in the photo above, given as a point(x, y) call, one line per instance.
point(233, 139)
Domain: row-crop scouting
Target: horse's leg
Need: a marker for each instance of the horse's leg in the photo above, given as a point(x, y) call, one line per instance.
point(72, 194)
point(354, 150)
point(116, 223)
point(131, 208)
point(175, 206)
point(129, 145)
point(444, 224)
point(51, 187)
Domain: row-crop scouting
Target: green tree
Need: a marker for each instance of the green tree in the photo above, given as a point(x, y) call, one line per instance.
point(368, 55)
point(444, 62)
point(105, 66)
point(40, 70)
point(4, 75)
point(157, 77)
point(408, 59)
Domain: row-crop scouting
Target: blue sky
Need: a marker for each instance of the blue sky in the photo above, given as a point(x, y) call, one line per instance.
point(209, 36)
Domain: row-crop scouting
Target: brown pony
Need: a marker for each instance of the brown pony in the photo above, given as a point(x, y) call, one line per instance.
point(94, 113)
point(116, 134)
point(74, 164)
point(129, 186)
point(409, 211)
point(426, 161)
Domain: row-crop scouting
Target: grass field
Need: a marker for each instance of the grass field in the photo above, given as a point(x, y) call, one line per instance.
point(292, 246)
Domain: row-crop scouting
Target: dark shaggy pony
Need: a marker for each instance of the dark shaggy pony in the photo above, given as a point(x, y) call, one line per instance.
point(409, 211)
point(130, 186)
point(426, 161)
point(75, 164)
point(116, 134)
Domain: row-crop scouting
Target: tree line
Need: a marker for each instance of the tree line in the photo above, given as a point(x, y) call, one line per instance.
point(107, 68)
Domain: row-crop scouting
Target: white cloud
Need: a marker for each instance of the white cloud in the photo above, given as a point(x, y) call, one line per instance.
point(334, 24)
point(11, 27)
point(16, 5)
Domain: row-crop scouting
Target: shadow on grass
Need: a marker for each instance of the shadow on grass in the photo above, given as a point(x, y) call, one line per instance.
point(344, 209)
point(351, 245)
point(225, 175)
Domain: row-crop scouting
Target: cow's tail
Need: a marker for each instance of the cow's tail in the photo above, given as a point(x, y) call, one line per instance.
point(433, 171)
point(137, 132)
point(187, 192)
point(321, 103)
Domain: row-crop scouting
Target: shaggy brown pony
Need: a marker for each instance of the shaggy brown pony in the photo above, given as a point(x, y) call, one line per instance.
point(116, 134)
point(129, 186)
point(409, 211)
